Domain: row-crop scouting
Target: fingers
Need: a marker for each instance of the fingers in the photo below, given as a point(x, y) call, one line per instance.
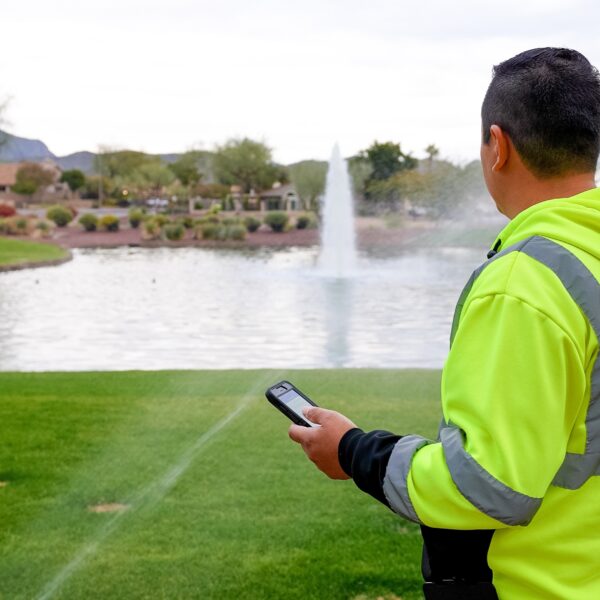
point(298, 433)
point(316, 414)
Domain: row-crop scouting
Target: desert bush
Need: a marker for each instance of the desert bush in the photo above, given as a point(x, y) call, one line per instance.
point(6, 210)
point(306, 221)
point(21, 226)
point(277, 220)
point(151, 229)
point(161, 219)
point(60, 215)
point(251, 223)
point(109, 222)
point(187, 221)
point(173, 231)
point(236, 232)
point(136, 216)
point(89, 221)
point(209, 231)
point(43, 228)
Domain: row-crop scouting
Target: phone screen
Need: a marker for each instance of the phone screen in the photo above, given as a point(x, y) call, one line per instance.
point(296, 403)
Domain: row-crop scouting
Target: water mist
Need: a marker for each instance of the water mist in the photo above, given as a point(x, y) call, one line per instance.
point(338, 239)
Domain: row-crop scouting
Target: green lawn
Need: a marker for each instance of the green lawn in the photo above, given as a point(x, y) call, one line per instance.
point(14, 252)
point(221, 506)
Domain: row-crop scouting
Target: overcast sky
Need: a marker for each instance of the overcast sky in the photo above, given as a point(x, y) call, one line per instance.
point(170, 76)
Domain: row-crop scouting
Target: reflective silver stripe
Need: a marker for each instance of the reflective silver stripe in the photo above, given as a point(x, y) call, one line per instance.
point(577, 469)
point(482, 489)
point(395, 487)
point(584, 289)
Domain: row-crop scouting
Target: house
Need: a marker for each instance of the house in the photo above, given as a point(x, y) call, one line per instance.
point(280, 197)
point(55, 191)
point(8, 176)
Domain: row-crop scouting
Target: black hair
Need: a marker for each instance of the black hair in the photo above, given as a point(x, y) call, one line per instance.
point(548, 102)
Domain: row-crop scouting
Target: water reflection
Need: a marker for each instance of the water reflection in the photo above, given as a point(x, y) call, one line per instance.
point(163, 308)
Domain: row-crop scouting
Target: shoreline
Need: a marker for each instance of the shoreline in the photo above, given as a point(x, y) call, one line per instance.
point(367, 236)
point(36, 264)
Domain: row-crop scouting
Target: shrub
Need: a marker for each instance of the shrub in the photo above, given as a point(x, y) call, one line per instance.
point(174, 231)
point(150, 229)
point(237, 232)
point(161, 219)
point(3, 227)
point(306, 221)
point(136, 216)
point(43, 228)
point(228, 221)
point(252, 223)
point(6, 210)
point(198, 205)
point(188, 221)
point(276, 220)
point(110, 223)
point(21, 225)
point(215, 209)
point(89, 221)
point(60, 215)
point(209, 231)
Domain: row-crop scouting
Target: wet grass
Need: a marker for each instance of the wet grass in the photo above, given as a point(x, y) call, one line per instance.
point(215, 508)
point(15, 252)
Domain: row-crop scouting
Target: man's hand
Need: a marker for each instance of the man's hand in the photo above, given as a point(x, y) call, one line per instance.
point(321, 443)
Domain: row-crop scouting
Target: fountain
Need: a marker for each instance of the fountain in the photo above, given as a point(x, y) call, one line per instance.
point(338, 240)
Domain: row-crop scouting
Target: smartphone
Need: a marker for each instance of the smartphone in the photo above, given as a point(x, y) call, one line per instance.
point(290, 401)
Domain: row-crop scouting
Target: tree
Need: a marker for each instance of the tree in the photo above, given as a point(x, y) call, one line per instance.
point(74, 178)
point(247, 163)
point(30, 177)
point(308, 178)
point(155, 177)
point(192, 167)
point(432, 151)
point(387, 159)
point(122, 163)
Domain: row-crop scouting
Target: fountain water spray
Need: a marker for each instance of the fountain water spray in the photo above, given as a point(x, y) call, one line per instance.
point(338, 239)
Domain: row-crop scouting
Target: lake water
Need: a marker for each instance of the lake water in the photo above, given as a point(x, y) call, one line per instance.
point(190, 308)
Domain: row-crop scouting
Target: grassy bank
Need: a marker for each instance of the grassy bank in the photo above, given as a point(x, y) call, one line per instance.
point(19, 252)
point(221, 503)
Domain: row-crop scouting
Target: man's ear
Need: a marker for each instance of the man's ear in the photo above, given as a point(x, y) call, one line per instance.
point(501, 147)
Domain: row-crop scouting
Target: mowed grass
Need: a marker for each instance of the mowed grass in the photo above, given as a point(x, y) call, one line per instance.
point(238, 512)
point(14, 252)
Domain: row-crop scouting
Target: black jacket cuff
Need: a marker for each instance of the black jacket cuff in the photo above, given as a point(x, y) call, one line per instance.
point(364, 457)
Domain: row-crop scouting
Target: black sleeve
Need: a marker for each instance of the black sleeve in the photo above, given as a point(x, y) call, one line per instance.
point(364, 457)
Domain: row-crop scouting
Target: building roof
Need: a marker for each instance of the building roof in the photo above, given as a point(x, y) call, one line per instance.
point(8, 173)
point(279, 192)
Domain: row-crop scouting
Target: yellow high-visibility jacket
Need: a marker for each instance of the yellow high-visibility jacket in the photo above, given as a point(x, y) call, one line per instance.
point(518, 455)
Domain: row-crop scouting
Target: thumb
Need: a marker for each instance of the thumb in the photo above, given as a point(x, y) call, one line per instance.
point(315, 414)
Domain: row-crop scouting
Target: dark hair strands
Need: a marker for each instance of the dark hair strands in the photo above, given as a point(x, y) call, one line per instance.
point(548, 101)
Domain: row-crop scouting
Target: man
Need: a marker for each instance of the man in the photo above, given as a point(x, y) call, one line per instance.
point(508, 498)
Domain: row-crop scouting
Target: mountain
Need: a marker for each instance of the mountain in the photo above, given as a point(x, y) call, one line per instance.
point(84, 161)
point(16, 149)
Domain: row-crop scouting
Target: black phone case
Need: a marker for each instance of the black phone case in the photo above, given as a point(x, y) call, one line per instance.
point(277, 403)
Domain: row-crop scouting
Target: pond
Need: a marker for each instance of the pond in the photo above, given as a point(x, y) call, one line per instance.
point(191, 308)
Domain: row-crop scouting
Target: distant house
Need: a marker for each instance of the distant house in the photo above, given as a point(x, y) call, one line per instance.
point(8, 176)
point(280, 197)
point(53, 192)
